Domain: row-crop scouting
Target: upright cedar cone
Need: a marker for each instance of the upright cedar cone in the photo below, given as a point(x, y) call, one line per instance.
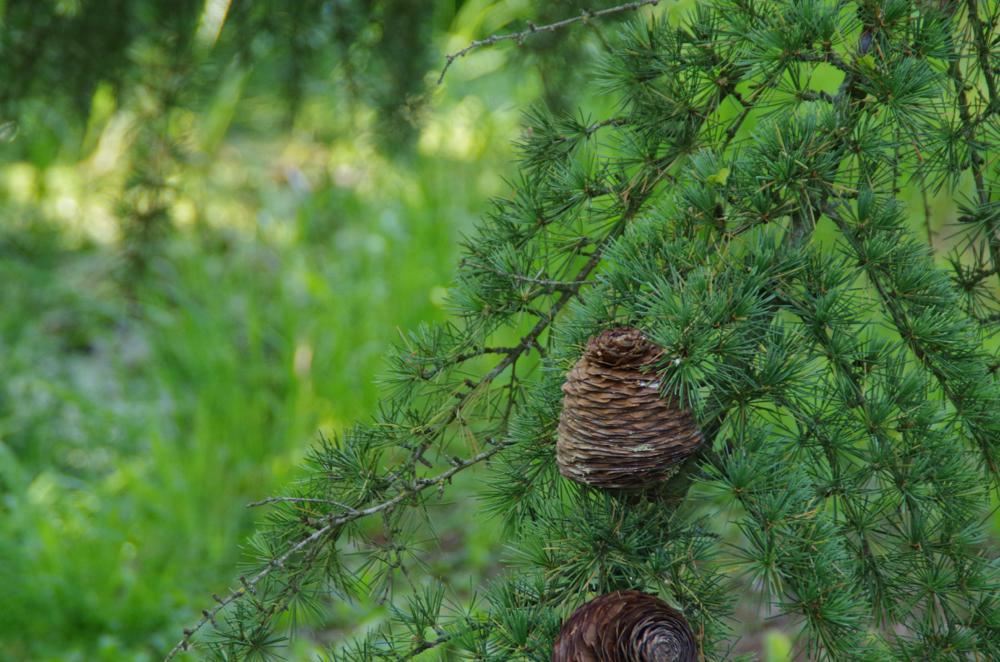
point(625, 626)
point(616, 431)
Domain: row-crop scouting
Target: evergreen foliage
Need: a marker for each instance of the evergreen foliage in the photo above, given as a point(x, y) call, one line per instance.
point(751, 220)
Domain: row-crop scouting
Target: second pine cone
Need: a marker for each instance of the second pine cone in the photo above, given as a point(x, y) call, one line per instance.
point(626, 626)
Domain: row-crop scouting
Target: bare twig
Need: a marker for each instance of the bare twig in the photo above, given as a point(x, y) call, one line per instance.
point(811, 95)
point(444, 638)
point(288, 499)
point(927, 212)
point(549, 285)
point(519, 37)
point(829, 56)
point(462, 357)
point(611, 121)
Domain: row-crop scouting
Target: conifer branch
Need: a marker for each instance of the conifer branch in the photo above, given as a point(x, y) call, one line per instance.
point(328, 525)
point(444, 638)
point(796, 577)
point(975, 159)
point(904, 326)
point(288, 499)
point(462, 357)
point(634, 195)
point(969, 126)
point(532, 29)
point(823, 338)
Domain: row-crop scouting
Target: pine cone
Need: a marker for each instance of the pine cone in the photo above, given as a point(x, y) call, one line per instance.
point(625, 626)
point(615, 430)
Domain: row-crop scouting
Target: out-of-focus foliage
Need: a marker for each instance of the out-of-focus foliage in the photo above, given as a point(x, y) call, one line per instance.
point(59, 51)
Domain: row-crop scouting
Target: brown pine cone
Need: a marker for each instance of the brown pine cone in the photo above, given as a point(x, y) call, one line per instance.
point(615, 431)
point(625, 626)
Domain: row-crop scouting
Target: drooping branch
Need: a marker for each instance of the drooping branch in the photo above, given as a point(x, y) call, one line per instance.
point(327, 526)
point(949, 379)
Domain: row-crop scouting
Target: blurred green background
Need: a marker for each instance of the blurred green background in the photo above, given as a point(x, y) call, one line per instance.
point(215, 216)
